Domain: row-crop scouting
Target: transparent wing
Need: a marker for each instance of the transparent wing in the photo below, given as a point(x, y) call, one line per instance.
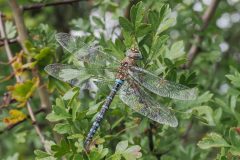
point(91, 54)
point(76, 75)
point(161, 86)
point(136, 98)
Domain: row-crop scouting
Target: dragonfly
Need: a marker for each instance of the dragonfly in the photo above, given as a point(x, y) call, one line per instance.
point(132, 82)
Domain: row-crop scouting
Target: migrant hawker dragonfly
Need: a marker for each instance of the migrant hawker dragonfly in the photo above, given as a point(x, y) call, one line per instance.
point(131, 81)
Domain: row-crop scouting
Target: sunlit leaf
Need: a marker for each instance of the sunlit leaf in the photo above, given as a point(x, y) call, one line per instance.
point(176, 51)
point(10, 29)
point(14, 117)
point(137, 14)
point(121, 146)
point(62, 128)
point(212, 140)
point(24, 90)
point(126, 24)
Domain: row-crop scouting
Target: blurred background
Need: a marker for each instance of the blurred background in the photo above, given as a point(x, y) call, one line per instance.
point(208, 34)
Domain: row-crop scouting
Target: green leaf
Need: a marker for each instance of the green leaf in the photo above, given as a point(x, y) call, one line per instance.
point(75, 108)
point(171, 75)
point(116, 157)
point(137, 14)
point(126, 24)
point(62, 128)
point(45, 52)
point(22, 91)
point(205, 112)
point(15, 156)
point(98, 21)
point(143, 29)
point(235, 151)
point(176, 51)
point(158, 43)
point(98, 153)
point(37, 1)
point(93, 109)
point(62, 149)
point(161, 20)
point(234, 78)
point(165, 19)
point(128, 39)
point(94, 155)
point(71, 93)
point(77, 157)
point(61, 111)
point(204, 97)
point(53, 117)
point(20, 137)
point(10, 29)
point(115, 124)
point(154, 19)
point(116, 49)
point(121, 146)
point(168, 62)
point(192, 77)
point(60, 103)
point(41, 154)
point(166, 24)
point(132, 153)
point(76, 136)
point(212, 140)
point(234, 136)
point(119, 44)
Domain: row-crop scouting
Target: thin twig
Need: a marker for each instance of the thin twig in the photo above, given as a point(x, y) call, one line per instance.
point(4, 63)
point(206, 18)
point(6, 100)
point(3, 15)
point(42, 5)
point(123, 130)
point(5, 41)
point(150, 137)
point(7, 78)
point(18, 18)
point(10, 41)
point(10, 58)
point(127, 11)
point(23, 37)
point(186, 133)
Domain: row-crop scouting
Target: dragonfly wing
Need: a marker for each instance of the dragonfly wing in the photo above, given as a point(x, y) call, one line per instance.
point(91, 54)
point(77, 75)
point(161, 86)
point(136, 98)
point(66, 73)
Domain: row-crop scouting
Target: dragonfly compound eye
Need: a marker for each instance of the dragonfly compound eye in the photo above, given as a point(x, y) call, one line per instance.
point(134, 54)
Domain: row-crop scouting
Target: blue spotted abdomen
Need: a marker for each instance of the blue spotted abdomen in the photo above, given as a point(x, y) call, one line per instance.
point(101, 113)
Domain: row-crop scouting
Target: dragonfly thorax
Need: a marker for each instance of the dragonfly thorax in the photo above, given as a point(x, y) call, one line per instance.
point(123, 68)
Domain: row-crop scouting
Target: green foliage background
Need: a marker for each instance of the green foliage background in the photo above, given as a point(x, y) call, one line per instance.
point(164, 30)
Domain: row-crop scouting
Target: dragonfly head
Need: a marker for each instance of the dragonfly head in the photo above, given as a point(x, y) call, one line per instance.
point(134, 53)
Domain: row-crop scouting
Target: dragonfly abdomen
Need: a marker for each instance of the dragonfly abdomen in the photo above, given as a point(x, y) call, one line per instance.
point(101, 113)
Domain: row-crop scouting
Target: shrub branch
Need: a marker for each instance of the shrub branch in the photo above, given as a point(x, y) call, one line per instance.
point(206, 18)
point(42, 5)
point(18, 79)
point(22, 38)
